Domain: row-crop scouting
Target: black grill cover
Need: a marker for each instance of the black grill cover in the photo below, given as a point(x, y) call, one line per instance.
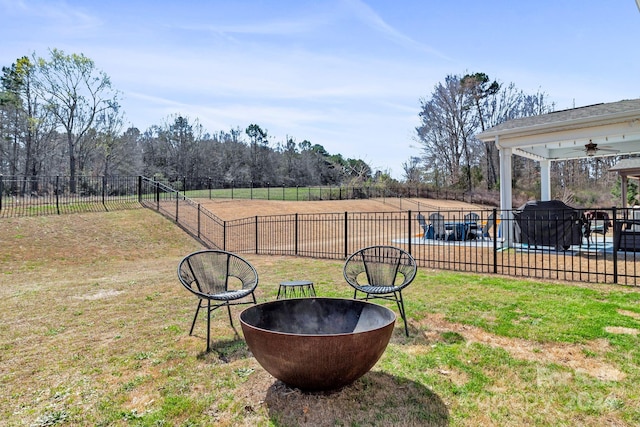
point(549, 223)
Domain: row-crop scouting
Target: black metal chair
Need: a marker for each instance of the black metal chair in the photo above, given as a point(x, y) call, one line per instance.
point(485, 230)
point(471, 220)
point(381, 272)
point(423, 223)
point(437, 223)
point(218, 279)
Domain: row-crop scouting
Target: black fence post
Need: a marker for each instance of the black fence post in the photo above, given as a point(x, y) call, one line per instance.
point(104, 190)
point(140, 189)
point(409, 230)
point(232, 189)
point(177, 202)
point(224, 235)
point(209, 185)
point(1, 190)
point(295, 233)
point(251, 190)
point(297, 193)
point(282, 192)
point(198, 220)
point(268, 188)
point(616, 238)
point(495, 240)
point(346, 231)
point(157, 195)
point(58, 195)
point(256, 234)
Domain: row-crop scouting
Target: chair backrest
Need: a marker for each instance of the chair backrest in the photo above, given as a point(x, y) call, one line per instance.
point(597, 221)
point(471, 217)
point(212, 272)
point(380, 266)
point(423, 222)
point(491, 222)
point(437, 221)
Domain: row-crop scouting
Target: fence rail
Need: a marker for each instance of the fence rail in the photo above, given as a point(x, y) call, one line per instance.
point(202, 187)
point(53, 195)
point(601, 258)
point(610, 255)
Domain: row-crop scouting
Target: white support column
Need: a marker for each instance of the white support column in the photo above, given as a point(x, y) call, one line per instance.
point(623, 187)
point(506, 203)
point(545, 180)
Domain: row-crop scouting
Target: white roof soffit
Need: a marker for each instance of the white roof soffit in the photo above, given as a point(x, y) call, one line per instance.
point(542, 137)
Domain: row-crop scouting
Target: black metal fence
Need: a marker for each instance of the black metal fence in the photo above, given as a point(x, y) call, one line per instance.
point(20, 196)
point(51, 195)
point(610, 255)
point(202, 187)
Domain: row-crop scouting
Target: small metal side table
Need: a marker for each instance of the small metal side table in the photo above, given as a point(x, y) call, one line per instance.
point(296, 289)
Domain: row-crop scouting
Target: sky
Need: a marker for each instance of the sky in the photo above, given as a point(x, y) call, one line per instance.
point(349, 75)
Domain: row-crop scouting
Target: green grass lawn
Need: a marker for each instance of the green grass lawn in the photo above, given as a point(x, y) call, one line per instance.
point(271, 193)
point(94, 331)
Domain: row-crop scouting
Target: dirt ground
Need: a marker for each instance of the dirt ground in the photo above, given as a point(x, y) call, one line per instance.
point(242, 208)
point(583, 267)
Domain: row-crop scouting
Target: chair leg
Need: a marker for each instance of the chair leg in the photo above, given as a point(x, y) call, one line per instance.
point(208, 323)
point(400, 303)
point(229, 311)
point(195, 317)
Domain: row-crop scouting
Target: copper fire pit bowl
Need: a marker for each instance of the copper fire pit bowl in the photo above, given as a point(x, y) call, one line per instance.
point(317, 343)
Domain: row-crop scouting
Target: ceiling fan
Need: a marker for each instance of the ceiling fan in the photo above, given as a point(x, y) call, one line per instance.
point(591, 149)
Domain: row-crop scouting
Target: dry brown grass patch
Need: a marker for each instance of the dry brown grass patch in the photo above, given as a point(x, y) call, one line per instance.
point(570, 355)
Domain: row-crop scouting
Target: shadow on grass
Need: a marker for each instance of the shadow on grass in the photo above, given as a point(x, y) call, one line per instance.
point(377, 398)
point(227, 350)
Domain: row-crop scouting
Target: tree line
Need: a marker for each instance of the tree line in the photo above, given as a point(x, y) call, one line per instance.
point(464, 105)
point(60, 115)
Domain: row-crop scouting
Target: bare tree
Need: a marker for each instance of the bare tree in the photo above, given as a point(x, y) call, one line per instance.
point(412, 173)
point(76, 93)
point(259, 144)
point(116, 151)
point(480, 87)
point(460, 108)
point(446, 133)
point(32, 127)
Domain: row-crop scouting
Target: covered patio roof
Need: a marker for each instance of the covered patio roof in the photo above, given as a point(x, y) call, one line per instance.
point(611, 129)
point(627, 168)
point(561, 135)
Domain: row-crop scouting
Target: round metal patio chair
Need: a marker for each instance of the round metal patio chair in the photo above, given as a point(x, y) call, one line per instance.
point(218, 279)
point(381, 272)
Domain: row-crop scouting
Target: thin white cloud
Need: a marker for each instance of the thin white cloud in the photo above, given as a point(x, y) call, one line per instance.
point(341, 73)
point(59, 15)
point(278, 27)
point(368, 16)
